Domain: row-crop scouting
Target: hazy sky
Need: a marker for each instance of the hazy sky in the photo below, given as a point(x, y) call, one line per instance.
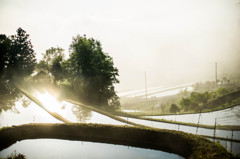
point(174, 41)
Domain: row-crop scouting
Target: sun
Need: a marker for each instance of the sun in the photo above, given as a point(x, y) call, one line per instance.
point(49, 101)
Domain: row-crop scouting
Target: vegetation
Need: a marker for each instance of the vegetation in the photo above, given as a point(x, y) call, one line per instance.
point(206, 97)
point(52, 64)
point(195, 101)
point(203, 101)
point(92, 72)
point(17, 61)
point(89, 72)
point(15, 155)
point(174, 108)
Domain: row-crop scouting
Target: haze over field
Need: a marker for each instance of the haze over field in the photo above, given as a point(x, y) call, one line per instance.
point(174, 41)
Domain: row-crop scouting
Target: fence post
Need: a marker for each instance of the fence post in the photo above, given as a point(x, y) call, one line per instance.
point(198, 122)
point(231, 141)
point(214, 132)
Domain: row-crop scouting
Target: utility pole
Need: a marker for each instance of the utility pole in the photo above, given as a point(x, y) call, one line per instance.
point(216, 72)
point(146, 85)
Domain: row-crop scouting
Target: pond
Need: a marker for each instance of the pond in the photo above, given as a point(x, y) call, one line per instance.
point(230, 116)
point(55, 148)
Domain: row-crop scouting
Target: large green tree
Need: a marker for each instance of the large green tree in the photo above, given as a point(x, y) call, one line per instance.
point(17, 56)
point(22, 59)
point(93, 72)
point(17, 61)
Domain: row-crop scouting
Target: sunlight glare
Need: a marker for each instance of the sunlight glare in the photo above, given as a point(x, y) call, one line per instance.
point(49, 102)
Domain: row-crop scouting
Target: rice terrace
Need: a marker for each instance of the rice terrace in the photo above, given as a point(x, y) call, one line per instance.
point(120, 79)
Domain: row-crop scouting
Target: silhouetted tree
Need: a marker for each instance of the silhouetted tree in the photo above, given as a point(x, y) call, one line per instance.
point(5, 44)
point(93, 71)
point(21, 61)
point(174, 108)
point(17, 61)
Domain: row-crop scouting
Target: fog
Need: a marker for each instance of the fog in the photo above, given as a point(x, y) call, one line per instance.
point(174, 41)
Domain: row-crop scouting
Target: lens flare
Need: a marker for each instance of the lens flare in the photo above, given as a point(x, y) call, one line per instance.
point(49, 101)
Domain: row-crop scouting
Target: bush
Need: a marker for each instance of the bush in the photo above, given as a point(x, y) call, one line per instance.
point(174, 108)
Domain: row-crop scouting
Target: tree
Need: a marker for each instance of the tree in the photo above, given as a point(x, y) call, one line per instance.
point(56, 69)
point(196, 101)
point(51, 63)
point(186, 104)
point(222, 91)
point(174, 108)
point(17, 61)
point(5, 44)
point(93, 71)
point(21, 61)
point(17, 57)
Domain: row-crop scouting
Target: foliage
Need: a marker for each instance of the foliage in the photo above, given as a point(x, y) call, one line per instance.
point(52, 63)
point(92, 71)
point(174, 108)
point(81, 113)
point(17, 56)
point(196, 101)
point(17, 61)
point(186, 104)
point(222, 91)
point(56, 69)
point(16, 155)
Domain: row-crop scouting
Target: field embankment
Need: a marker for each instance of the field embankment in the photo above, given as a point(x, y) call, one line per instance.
point(183, 144)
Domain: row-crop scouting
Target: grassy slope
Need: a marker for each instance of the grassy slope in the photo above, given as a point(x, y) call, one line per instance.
point(184, 144)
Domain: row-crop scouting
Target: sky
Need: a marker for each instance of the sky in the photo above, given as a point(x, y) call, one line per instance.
point(173, 41)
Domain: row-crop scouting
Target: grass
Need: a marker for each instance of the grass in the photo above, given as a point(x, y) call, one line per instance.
point(183, 144)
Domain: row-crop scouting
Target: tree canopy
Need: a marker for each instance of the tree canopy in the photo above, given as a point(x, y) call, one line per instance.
point(92, 71)
point(17, 61)
point(89, 71)
point(17, 55)
point(52, 63)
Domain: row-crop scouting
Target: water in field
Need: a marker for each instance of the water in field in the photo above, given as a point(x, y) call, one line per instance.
point(230, 116)
point(64, 149)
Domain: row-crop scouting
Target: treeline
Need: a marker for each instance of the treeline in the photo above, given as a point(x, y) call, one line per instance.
point(89, 72)
point(197, 101)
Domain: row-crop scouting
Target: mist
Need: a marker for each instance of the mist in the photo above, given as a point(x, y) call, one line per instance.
point(172, 41)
